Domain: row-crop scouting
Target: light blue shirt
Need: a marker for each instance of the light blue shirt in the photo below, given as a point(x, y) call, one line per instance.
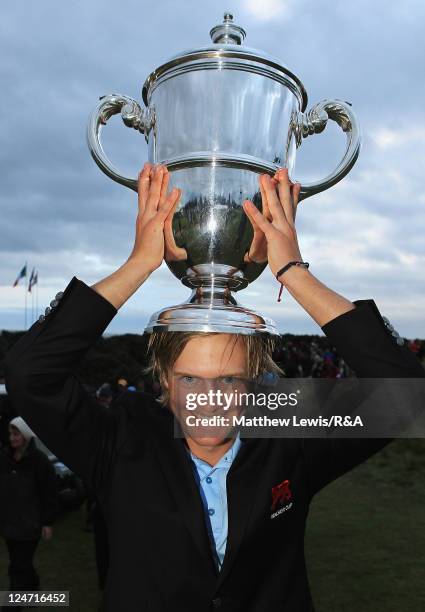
point(212, 487)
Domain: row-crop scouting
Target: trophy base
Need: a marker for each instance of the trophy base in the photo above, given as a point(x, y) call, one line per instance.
point(211, 309)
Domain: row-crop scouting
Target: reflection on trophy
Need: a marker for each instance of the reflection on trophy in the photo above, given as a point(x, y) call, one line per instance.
point(217, 117)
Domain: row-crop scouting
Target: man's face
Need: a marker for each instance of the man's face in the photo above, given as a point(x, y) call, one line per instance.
point(208, 365)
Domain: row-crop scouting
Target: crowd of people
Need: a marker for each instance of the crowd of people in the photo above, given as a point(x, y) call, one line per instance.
point(303, 356)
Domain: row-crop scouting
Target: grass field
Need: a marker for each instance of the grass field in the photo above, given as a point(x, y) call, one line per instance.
point(365, 542)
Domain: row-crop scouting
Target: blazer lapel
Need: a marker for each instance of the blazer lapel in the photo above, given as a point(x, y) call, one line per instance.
point(243, 479)
point(178, 472)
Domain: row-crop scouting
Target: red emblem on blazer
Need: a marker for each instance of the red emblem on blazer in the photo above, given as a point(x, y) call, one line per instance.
point(281, 494)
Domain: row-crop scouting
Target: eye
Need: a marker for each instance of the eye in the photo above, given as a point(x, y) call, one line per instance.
point(228, 380)
point(189, 380)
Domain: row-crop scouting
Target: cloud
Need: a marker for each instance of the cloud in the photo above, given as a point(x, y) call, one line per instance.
point(268, 10)
point(386, 137)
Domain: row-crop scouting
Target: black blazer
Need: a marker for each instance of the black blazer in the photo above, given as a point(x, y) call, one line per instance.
point(160, 556)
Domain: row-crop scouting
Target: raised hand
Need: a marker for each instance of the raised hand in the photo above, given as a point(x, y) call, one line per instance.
point(154, 206)
point(275, 238)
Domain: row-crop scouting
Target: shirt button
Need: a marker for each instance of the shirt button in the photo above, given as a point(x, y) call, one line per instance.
point(211, 511)
point(216, 602)
point(208, 479)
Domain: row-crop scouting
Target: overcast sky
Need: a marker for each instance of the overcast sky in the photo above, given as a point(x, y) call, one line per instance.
point(364, 238)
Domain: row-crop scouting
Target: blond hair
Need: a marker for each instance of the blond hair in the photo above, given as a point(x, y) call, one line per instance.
point(164, 347)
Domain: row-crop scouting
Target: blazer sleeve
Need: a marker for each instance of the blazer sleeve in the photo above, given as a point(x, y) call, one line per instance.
point(45, 390)
point(367, 345)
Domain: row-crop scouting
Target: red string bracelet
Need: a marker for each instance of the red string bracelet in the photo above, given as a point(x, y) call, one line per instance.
point(305, 264)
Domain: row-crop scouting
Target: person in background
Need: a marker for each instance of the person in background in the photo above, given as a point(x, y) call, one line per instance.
point(29, 503)
point(104, 395)
point(121, 387)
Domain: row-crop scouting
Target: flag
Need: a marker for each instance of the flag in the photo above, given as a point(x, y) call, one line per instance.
point(21, 274)
point(33, 279)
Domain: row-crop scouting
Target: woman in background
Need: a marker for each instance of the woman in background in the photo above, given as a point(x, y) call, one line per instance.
point(28, 506)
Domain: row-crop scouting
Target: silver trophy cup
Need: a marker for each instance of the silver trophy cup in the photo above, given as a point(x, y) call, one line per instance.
point(217, 117)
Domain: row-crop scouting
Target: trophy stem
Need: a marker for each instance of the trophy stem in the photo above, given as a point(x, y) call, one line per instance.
point(212, 296)
point(215, 282)
point(211, 308)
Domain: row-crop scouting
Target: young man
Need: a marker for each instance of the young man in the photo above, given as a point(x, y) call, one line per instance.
point(175, 543)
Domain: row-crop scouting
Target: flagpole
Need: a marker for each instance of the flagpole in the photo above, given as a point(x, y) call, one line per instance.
point(26, 291)
point(36, 297)
point(30, 286)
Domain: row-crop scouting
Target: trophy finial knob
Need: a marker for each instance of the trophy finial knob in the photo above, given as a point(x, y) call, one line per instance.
point(228, 32)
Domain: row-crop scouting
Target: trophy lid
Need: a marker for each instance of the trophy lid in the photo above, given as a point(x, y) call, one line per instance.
point(227, 39)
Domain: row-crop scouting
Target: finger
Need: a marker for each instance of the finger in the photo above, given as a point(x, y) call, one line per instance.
point(168, 224)
point(143, 186)
point(169, 205)
point(164, 186)
point(275, 207)
point(284, 190)
point(265, 226)
point(255, 227)
point(258, 246)
point(265, 204)
point(296, 190)
point(155, 189)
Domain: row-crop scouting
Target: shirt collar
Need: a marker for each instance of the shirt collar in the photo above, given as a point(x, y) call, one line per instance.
point(225, 461)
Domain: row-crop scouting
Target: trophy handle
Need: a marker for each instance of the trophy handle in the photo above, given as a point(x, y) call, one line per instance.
point(132, 115)
point(314, 122)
